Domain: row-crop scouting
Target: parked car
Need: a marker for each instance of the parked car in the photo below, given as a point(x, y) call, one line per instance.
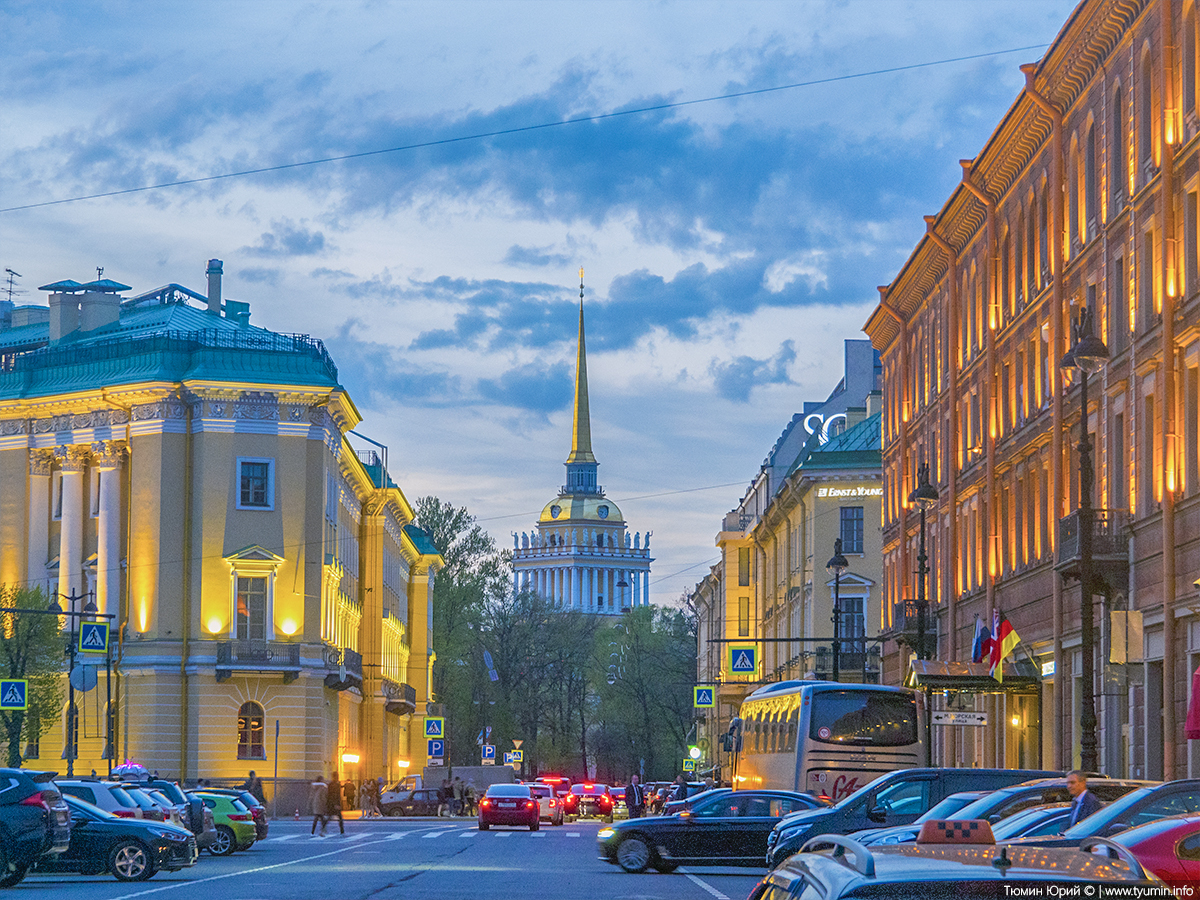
point(1138, 807)
point(549, 807)
point(724, 828)
point(423, 802)
point(235, 823)
point(150, 808)
point(1033, 822)
point(194, 815)
point(509, 804)
point(34, 822)
point(946, 871)
point(620, 810)
point(588, 800)
point(108, 795)
point(903, 834)
point(895, 798)
point(129, 849)
point(1170, 848)
point(257, 808)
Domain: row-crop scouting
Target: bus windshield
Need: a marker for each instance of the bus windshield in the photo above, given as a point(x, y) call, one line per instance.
point(863, 718)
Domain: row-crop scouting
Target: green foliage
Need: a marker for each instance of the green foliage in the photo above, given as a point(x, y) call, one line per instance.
point(32, 648)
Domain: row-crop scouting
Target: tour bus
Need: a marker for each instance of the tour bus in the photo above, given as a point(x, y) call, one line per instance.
point(825, 738)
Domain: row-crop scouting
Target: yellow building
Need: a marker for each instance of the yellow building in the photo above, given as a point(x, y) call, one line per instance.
point(193, 476)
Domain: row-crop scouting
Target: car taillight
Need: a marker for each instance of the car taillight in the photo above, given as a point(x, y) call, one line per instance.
point(124, 813)
point(239, 817)
point(36, 800)
point(485, 802)
point(529, 804)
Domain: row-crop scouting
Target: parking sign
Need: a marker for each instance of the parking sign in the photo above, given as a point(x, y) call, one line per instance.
point(437, 748)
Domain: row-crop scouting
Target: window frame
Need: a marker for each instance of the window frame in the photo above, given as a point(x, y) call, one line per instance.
point(269, 462)
point(248, 729)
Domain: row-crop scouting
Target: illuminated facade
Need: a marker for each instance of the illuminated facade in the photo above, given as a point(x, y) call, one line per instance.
point(193, 474)
point(582, 557)
point(1086, 194)
point(821, 481)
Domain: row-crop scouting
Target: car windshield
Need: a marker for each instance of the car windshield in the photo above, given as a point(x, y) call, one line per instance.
point(160, 798)
point(508, 790)
point(863, 718)
point(140, 797)
point(950, 806)
point(540, 790)
point(589, 789)
point(88, 809)
point(1103, 817)
point(1018, 823)
point(122, 796)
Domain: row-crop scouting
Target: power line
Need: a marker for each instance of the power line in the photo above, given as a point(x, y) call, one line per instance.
point(579, 120)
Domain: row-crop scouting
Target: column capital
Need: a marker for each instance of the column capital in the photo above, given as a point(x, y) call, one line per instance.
point(73, 458)
point(108, 455)
point(40, 462)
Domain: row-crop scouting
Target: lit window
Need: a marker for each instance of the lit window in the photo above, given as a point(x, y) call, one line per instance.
point(252, 609)
point(250, 732)
point(256, 483)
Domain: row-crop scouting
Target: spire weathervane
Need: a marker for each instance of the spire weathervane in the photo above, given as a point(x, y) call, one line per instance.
point(581, 464)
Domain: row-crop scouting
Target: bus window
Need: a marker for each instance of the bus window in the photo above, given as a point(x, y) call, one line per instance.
point(865, 719)
point(793, 727)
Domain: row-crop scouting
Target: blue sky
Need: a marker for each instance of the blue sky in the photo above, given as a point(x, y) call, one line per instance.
point(729, 246)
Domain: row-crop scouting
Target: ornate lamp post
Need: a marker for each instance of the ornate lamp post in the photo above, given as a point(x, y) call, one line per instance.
point(1088, 355)
point(836, 566)
point(925, 496)
point(72, 713)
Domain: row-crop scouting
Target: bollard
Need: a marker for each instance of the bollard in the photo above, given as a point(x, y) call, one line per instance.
point(297, 815)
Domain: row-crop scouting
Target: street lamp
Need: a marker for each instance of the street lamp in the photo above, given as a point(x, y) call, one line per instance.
point(1088, 355)
point(925, 496)
point(90, 610)
point(836, 566)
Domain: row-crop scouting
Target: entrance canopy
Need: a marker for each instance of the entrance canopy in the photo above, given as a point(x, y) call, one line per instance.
point(930, 675)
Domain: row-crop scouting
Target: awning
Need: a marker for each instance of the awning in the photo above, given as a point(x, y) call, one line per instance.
point(972, 678)
point(1191, 727)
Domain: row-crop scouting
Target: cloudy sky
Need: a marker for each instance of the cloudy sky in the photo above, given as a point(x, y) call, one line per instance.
point(730, 245)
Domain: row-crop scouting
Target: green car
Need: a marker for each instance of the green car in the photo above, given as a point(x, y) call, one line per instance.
point(234, 821)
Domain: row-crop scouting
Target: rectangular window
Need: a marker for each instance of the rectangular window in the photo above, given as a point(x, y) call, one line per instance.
point(256, 483)
point(743, 567)
point(1146, 282)
point(1146, 464)
point(1189, 243)
point(56, 500)
point(1118, 309)
point(743, 616)
point(94, 493)
point(252, 609)
point(852, 529)
point(1191, 425)
point(1118, 496)
point(854, 625)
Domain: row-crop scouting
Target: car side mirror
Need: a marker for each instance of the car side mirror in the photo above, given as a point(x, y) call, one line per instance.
point(877, 814)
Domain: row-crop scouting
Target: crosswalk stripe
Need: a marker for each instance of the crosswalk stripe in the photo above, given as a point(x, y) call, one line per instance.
point(501, 834)
point(572, 834)
point(433, 834)
point(397, 836)
point(467, 834)
point(538, 834)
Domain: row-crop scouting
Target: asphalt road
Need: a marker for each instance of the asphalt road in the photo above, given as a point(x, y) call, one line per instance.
point(407, 859)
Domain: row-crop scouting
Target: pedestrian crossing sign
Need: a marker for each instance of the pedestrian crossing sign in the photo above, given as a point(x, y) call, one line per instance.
point(435, 727)
point(743, 660)
point(518, 756)
point(93, 637)
point(689, 765)
point(14, 693)
point(702, 698)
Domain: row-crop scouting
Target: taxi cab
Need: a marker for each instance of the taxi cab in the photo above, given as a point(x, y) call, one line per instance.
point(952, 860)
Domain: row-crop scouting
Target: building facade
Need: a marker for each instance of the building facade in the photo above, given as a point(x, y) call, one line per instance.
point(582, 557)
point(770, 590)
point(192, 476)
point(1085, 196)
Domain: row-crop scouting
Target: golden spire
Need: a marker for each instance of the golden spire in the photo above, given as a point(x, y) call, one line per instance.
point(581, 435)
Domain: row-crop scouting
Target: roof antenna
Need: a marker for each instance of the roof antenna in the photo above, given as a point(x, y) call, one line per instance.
point(11, 289)
point(99, 272)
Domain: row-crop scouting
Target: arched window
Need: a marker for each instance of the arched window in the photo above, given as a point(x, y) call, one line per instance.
point(1073, 178)
point(1146, 111)
point(1031, 250)
point(1118, 173)
point(251, 743)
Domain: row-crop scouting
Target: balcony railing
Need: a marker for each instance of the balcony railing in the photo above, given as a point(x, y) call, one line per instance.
point(348, 666)
point(850, 661)
point(1110, 534)
point(258, 656)
point(401, 698)
point(906, 624)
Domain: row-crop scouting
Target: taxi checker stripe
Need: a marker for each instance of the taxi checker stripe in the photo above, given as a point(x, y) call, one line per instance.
point(958, 829)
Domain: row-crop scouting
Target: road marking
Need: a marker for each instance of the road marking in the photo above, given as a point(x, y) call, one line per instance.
point(501, 834)
point(538, 834)
point(572, 834)
point(396, 837)
point(466, 834)
point(704, 884)
point(433, 834)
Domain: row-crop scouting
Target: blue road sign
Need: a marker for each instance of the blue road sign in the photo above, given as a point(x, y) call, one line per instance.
point(489, 751)
point(743, 660)
point(508, 757)
point(437, 748)
point(14, 693)
point(702, 698)
point(435, 727)
point(93, 637)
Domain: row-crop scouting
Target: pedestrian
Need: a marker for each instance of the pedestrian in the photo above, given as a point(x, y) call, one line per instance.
point(375, 796)
point(1083, 801)
point(317, 796)
point(680, 791)
point(708, 783)
point(444, 796)
point(459, 795)
point(333, 802)
point(254, 786)
point(364, 799)
point(635, 798)
point(348, 793)
point(471, 796)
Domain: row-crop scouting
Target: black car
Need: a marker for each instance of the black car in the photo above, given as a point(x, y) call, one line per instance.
point(129, 849)
point(896, 798)
point(33, 821)
point(727, 828)
point(191, 809)
point(423, 802)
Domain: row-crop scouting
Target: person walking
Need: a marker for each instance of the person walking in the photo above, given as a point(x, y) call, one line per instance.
point(680, 791)
point(317, 799)
point(376, 796)
point(254, 786)
point(444, 796)
point(635, 798)
point(1083, 802)
point(364, 799)
point(333, 804)
point(470, 794)
point(460, 795)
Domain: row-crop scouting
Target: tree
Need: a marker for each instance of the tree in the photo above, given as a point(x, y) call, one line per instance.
point(33, 649)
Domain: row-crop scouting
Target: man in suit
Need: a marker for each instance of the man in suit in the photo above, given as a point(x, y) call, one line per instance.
point(1083, 802)
point(635, 798)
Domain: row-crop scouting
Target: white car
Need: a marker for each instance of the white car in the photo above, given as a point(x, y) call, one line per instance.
point(551, 806)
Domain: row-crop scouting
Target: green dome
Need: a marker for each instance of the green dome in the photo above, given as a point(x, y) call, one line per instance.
point(581, 509)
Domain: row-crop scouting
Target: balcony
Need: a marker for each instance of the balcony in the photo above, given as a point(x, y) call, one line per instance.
point(401, 699)
point(347, 666)
point(906, 626)
point(1110, 545)
point(258, 657)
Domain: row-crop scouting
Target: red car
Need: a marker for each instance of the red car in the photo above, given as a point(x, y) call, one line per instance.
point(1170, 848)
point(509, 804)
point(588, 800)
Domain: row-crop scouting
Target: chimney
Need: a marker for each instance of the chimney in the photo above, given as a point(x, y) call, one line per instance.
point(855, 415)
point(6, 314)
point(64, 315)
point(214, 270)
point(238, 311)
point(97, 309)
point(874, 402)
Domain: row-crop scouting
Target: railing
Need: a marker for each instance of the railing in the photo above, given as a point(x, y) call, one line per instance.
point(401, 697)
point(243, 652)
point(169, 342)
point(1110, 533)
point(850, 660)
point(906, 616)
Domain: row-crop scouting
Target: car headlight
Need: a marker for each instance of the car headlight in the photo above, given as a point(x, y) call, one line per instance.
point(605, 833)
point(169, 834)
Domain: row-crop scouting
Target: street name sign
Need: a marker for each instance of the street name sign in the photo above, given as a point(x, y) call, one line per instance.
point(959, 718)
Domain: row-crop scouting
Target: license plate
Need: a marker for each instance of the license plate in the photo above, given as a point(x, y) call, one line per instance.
point(507, 805)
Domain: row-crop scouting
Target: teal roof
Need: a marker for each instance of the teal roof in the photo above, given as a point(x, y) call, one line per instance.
point(859, 447)
point(159, 342)
point(421, 540)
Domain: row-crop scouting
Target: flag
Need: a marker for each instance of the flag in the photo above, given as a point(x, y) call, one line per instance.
point(981, 649)
point(1004, 642)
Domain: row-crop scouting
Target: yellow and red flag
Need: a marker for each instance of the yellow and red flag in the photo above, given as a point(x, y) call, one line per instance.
point(1004, 641)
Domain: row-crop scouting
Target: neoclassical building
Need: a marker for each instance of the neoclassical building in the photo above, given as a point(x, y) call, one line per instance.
point(1085, 196)
point(193, 476)
point(581, 556)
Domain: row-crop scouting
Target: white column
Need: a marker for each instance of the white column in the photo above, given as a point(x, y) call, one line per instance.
point(108, 543)
point(635, 580)
point(646, 588)
point(588, 587)
point(38, 546)
point(70, 551)
point(574, 587)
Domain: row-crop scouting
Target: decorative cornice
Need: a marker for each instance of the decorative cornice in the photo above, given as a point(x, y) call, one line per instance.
point(73, 458)
point(41, 462)
point(108, 454)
